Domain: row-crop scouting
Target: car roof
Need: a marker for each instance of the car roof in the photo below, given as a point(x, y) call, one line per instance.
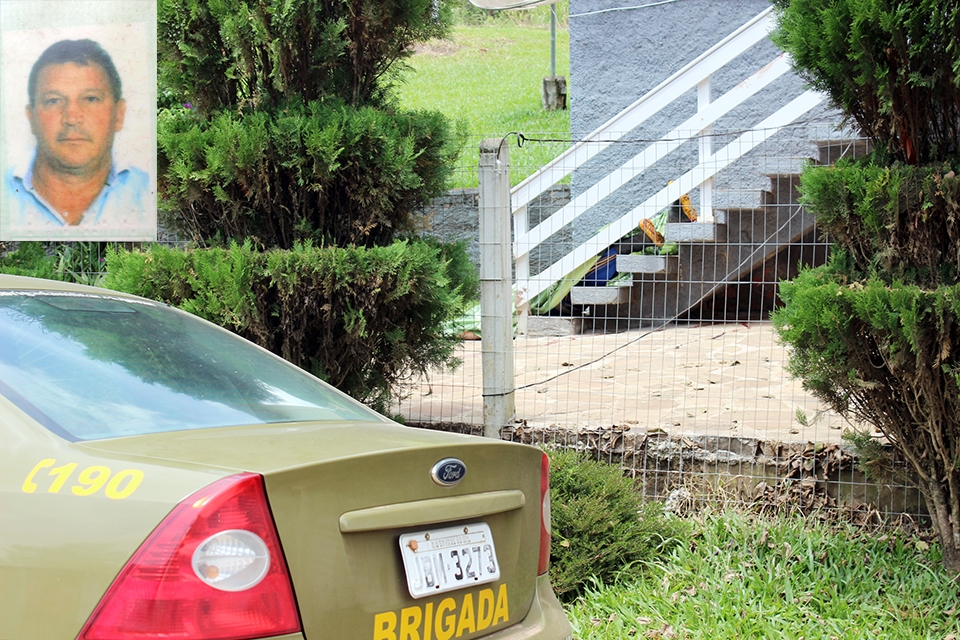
point(24, 283)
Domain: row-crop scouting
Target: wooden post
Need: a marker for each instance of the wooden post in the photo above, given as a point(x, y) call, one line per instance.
point(496, 290)
point(704, 89)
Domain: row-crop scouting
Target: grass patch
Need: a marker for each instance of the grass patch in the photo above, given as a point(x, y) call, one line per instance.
point(744, 576)
point(488, 78)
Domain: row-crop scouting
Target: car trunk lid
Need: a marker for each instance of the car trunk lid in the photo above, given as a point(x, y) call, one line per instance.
point(342, 496)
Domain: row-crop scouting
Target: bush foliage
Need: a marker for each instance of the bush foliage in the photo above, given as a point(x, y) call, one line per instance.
point(280, 124)
point(864, 345)
point(324, 171)
point(281, 146)
point(78, 262)
point(29, 259)
point(224, 54)
point(875, 332)
point(603, 529)
point(890, 66)
point(360, 318)
point(899, 222)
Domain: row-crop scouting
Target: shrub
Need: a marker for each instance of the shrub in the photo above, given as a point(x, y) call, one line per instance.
point(323, 171)
point(286, 130)
point(874, 332)
point(360, 318)
point(897, 222)
point(30, 259)
point(228, 54)
point(603, 529)
point(890, 66)
point(280, 133)
point(79, 262)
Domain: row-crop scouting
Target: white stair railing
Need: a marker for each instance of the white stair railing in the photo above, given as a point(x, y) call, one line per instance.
point(697, 75)
point(685, 183)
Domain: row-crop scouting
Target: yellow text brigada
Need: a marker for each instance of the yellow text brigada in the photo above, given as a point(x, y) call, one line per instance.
point(445, 619)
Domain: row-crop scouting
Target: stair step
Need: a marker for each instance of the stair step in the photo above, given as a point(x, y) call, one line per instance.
point(784, 189)
point(736, 215)
point(647, 264)
point(617, 294)
point(695, 232)
point(833, 150)
point(542, 326)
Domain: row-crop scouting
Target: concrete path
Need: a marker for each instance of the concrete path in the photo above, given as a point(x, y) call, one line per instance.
point(716, 379)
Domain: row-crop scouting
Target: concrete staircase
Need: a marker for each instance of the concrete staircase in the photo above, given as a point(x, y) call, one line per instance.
point(728, 269)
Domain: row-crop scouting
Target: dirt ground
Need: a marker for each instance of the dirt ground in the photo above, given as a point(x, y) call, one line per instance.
point(692, 380)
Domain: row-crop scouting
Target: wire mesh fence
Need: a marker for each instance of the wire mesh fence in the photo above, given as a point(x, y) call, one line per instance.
point(671, 369)
point(673, 372)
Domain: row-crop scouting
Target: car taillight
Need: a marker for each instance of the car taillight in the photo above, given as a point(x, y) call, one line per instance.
point(212, 570)
point(544, 563)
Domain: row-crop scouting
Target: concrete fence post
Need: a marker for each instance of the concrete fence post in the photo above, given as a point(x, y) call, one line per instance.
point(496, 290)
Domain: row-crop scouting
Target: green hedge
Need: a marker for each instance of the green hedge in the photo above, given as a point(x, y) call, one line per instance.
point(603, 529)
point(899, 221)
point(891, 66)
point(874, 332)
point(361, 318)
point(325, 172)
point(859, 344)
point(280, 122)
point(30, 259)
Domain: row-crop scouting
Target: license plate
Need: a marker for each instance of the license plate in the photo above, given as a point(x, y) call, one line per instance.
point(442, 560)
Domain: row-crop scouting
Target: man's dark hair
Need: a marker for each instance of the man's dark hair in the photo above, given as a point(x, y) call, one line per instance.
point(82, 52)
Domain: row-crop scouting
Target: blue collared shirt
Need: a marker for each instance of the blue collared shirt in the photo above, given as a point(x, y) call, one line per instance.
point(124, 202)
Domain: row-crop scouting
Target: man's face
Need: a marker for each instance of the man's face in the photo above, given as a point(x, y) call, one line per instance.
point(75, 117)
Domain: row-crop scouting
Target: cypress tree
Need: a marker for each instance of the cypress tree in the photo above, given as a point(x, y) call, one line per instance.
point(876, 332)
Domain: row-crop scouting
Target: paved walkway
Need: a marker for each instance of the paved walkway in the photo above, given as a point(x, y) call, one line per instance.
point(716, 379)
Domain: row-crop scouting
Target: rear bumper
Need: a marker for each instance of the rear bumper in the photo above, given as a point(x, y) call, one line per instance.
point(546, 619)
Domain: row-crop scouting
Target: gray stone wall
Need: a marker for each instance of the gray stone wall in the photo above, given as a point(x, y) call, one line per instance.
point(456, 216)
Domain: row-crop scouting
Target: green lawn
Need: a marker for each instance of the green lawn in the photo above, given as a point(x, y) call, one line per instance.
point(751, 578)
point(488, 78)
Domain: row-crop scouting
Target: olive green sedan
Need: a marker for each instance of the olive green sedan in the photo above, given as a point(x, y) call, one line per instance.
point(163, 478)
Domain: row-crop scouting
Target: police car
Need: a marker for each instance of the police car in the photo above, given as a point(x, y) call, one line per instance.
point(163, 478)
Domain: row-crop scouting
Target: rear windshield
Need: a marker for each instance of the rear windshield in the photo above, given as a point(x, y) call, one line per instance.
point(96, 366)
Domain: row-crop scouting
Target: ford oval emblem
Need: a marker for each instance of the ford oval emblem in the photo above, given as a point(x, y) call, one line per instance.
point(448, 472)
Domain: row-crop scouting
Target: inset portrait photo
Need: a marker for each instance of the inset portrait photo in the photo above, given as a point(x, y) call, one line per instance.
point(78, 132)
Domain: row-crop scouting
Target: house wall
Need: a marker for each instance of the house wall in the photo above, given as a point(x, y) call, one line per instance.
point(621, 49)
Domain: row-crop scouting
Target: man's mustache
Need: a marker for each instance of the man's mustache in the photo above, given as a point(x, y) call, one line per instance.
point(73, 134)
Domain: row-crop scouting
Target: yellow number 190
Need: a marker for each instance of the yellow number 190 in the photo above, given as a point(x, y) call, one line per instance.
point(89, 481)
